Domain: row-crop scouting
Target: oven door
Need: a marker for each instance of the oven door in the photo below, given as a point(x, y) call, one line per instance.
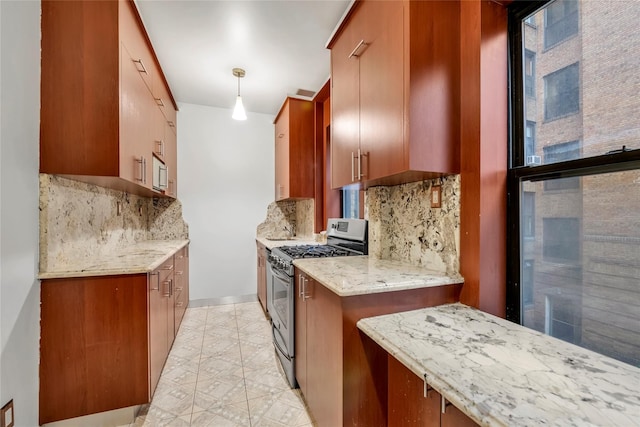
point(281, 300)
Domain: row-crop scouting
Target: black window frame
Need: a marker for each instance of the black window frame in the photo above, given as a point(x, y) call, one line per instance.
point(615, 161)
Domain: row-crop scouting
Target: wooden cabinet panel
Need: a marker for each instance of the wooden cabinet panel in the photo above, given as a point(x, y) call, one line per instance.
point(454, 417)
point(262, 275)
point(397, 99)
point(158, 321)
point(181, 286)
point(94, 350)
point(407, 404)
point(97, 104)
point(343, 376)
point(345, 110)
point(295, 150)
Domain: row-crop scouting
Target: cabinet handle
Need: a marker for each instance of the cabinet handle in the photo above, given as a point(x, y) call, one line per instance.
point(167, 284)
point(179, 273)
point(171, 187)
point(353, 159)
point(281, 135)
point(139, 61)
point(171, 124)
point(157, 288)
point(179, 304)
point(355, 51)
point(159, 102)
point(179, 289)
point(143, 166)
point(169, 267)
point(427, 387)
point(301, 285)
point(359, 165)
point(160, 147)
point(444, 404)
point(164, 183)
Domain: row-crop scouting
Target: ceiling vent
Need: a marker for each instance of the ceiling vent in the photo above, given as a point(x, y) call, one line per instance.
point(305, 93)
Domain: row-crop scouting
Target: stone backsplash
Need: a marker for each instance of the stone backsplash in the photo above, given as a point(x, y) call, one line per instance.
point(295, 215)
point(78, 220)
point(404, 227)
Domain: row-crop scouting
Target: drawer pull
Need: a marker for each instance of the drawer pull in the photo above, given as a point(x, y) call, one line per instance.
point(355, 51)
point(139, 61)
point(179, 304)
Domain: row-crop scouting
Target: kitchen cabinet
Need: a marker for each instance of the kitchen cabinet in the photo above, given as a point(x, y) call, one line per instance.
point(395, 93)
point(262, 275)
point(181, 288)
point(104, 340)
point(294, 150)
point(99, 115)
point(408, 404)
point(339, 368)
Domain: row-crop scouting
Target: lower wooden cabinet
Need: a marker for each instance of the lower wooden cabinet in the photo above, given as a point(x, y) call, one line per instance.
point(104, 340)
point(408, 405)
point(262, 275)
point(339, 368)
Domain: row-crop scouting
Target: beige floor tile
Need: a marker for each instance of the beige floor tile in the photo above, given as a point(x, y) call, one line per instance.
point(214, 346)
point(220, 391)
point(219, 366)
point(278, 410)
point(171, 400)
point(258, 356)
point(263, 382)
point(235, 415)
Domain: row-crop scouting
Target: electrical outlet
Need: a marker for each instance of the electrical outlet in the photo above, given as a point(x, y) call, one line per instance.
point(436, 196)
point(6, 418)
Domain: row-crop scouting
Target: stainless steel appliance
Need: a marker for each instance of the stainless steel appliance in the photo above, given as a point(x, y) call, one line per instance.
point(344, 237)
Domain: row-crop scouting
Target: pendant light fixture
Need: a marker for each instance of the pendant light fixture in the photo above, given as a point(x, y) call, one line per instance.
point(238, 111)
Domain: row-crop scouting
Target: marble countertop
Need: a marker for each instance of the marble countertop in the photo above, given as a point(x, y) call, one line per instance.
point(503, 374)
point(274, 243)
point(359, 275)
point(141, 257)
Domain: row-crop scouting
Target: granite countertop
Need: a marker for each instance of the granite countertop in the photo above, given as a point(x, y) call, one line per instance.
point(501, 373)
point(274, 243)
point(359, 275)
point(141, 257)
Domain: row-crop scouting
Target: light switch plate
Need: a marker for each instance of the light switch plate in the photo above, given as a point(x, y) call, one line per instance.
point(6, 420)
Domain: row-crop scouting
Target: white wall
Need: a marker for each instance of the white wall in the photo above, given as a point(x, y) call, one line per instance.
point(19, 136)
point(225, 183)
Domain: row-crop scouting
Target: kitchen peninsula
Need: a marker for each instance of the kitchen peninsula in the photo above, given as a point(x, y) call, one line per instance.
point(497, 372)
point(336, 365)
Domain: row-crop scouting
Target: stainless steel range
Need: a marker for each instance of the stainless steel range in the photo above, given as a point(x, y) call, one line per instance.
point(345, 237)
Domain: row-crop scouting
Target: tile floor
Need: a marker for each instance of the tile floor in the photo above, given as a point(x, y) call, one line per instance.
point(222, 371)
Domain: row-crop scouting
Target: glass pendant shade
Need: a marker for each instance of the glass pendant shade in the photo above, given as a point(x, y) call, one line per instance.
point(238, 111)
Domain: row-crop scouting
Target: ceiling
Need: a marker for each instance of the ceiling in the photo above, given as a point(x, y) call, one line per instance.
point(280, 44)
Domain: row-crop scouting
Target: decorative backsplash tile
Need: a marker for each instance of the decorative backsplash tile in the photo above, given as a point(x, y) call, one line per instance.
point(78, 220)
point(404, 227)
point(296, 215)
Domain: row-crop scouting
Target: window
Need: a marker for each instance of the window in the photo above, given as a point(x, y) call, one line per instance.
point(528, 214)
point(562, 92)
point(530, 141)
point(560, 21)
point(561, 239)
point(530, 73)
point(350, 203)
point(575, 247)
point(558, 153)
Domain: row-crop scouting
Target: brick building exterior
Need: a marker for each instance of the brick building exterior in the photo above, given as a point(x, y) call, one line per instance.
point(581, 236)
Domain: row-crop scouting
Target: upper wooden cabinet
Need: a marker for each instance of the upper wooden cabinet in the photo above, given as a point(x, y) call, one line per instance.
point(104, 100)
point(395, 93)
point(294, 150)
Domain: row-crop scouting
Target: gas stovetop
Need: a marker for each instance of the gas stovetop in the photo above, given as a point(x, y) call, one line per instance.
point(314, 251)
point(345, 237)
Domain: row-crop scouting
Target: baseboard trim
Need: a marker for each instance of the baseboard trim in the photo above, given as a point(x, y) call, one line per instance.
point(236, 299)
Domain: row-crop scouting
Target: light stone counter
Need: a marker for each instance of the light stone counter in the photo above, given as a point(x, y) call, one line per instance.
point(141, 257)
point(503, 374)
point(359, 275)
point(296, 241)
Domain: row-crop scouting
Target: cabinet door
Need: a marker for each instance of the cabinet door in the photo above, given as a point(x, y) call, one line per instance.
point(180, 284)
point(136, 114)
point(382, 90)
point(262, 276)
point(454, 417)
point(407, 405)
point(282, 154)
point(171, 159)
point(345, 103)
point(324, 354)
point(300, 329)
point(158, 322)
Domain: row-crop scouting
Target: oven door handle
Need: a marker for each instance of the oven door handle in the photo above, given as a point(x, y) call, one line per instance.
point(275, 344)
point(277, 272)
